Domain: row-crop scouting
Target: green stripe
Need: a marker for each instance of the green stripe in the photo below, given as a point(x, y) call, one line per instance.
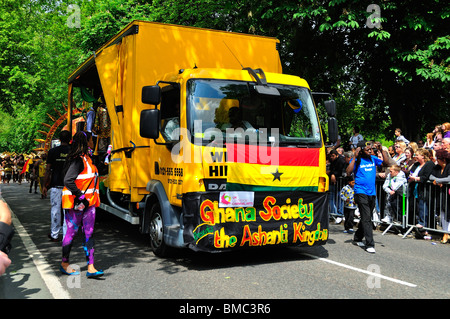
point(257, 188)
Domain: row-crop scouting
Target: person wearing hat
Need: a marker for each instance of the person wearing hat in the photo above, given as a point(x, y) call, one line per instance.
point(363, 166)
point(54, 182)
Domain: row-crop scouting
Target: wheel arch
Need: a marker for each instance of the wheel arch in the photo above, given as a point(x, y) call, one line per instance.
point(171, 215)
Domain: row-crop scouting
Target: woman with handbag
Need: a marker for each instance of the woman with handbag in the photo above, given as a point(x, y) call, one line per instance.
point(79, 200)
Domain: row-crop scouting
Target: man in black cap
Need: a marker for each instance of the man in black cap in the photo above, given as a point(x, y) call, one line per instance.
point(363, 166)
point(54, 182)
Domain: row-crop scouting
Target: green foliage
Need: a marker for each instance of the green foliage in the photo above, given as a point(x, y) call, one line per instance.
point(435, 60)
point(393, 75)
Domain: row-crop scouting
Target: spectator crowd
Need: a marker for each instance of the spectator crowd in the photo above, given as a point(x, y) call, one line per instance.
point(18, 168)
point(412, 167)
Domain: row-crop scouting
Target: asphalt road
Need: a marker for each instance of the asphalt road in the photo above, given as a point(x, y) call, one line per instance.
point(401, 268)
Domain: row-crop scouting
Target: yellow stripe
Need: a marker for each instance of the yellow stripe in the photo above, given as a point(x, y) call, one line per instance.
point(265, 175)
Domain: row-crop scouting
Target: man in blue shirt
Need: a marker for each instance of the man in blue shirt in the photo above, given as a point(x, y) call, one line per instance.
point(363, 166)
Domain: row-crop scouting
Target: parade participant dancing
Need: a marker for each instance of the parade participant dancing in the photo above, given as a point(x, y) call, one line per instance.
point(80, 199)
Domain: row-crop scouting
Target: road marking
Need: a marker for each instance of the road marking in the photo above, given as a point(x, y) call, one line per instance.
point(370, 273)
point(48, 275)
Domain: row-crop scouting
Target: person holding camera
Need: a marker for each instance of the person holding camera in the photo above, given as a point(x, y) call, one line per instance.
point(6, 234)
point(363, 166)
point(80, 198)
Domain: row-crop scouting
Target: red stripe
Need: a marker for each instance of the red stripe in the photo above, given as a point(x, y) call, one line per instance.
point(265, 155)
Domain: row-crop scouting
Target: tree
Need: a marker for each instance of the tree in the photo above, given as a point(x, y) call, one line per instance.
point(370, 67)
point(37, 52)
point(389, 62)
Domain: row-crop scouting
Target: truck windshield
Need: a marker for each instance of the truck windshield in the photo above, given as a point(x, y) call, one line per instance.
point(232, 111)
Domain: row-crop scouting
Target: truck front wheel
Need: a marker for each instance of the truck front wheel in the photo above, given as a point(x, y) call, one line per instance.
point(157, 243)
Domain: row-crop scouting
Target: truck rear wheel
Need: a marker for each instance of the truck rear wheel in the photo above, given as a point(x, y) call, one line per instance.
point(157, 243)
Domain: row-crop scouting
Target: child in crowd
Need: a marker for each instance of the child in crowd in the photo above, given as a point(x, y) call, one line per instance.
point(348, 197)
point(399, 137)
point(393, 187)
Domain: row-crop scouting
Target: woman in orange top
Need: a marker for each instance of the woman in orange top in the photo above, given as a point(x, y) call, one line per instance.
point(79, 199)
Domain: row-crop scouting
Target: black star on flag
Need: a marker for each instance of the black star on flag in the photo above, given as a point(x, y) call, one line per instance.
point(276, 175)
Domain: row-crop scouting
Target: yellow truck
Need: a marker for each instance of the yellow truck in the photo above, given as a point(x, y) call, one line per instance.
point(213, 148)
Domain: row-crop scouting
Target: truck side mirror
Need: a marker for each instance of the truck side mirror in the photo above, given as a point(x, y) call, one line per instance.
point(151, 94)
point(330, 106)
point(150, 123)
point(332, 130)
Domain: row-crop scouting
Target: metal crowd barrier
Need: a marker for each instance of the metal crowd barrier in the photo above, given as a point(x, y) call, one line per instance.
point(406, 211)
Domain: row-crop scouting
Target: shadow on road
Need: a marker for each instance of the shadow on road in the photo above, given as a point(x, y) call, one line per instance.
point(119, 243)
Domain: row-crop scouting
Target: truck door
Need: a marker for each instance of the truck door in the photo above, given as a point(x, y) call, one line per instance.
point(169, 169)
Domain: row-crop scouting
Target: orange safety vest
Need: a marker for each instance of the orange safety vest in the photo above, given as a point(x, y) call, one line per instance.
point(87, 182)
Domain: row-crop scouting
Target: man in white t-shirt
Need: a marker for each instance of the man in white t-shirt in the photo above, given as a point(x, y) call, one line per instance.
point(355, 138)
point(399, 137)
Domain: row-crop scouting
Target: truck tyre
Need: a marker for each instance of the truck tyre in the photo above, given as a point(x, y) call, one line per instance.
point(157, 243)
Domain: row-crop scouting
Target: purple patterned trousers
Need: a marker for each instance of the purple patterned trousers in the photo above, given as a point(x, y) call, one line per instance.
point(74, 220)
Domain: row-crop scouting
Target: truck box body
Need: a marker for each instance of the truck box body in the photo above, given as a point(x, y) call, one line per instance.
point(143, 59)
point(203, 74)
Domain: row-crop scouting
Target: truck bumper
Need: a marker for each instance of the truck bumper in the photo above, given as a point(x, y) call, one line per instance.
point(215, 222)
